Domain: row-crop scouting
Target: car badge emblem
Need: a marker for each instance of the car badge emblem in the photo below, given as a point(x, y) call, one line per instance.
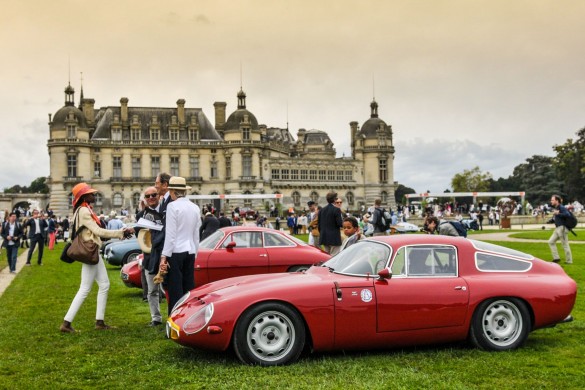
point(366, 295)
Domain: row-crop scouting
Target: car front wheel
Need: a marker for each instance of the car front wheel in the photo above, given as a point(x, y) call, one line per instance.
point(269, 334)
point(500, 324)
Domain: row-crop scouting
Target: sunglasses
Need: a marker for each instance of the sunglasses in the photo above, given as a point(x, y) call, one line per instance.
point(150, 196)
point(338, 202)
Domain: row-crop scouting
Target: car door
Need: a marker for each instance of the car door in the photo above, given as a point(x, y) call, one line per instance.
point(424, 292)
point(246, 257)
point(281, 252)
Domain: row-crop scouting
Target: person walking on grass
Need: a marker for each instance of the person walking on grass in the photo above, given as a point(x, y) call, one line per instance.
point(561, 232)
point(83, 197)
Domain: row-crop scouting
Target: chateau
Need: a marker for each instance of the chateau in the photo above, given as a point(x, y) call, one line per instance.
point(119, 150)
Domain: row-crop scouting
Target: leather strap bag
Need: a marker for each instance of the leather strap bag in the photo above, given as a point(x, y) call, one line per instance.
point(86, 252)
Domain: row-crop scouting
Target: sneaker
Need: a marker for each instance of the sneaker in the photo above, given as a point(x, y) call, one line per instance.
point(27, 264)
point(155, 324)
point(12, 272)
point(556, 260)
point(569, 262)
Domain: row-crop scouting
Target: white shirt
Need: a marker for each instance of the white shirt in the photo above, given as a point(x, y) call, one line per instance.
point(183, 221)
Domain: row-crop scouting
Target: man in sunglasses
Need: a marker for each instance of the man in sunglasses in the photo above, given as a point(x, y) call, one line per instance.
point(151, 213)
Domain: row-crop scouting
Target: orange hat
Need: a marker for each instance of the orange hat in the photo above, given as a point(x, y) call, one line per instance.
point(81, 189)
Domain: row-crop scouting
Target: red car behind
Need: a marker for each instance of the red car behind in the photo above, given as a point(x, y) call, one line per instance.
point(243, 250)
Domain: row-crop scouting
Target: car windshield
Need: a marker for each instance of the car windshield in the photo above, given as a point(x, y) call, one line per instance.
point(211, 241)
point(362, 258)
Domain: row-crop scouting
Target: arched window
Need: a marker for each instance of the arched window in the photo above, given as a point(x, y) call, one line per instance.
point(136, 199)
point(99, 199)
point(247, 202)
point(314, 197)
point(296, 197)
point(350, 198)
point(118, 200)
point(384, 197)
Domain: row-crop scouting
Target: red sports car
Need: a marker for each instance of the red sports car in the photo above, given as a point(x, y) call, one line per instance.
point(382, 292)
point(243, 250)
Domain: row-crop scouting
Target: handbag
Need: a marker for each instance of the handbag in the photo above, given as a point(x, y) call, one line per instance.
point(78, 249)
point(64, 257)
point(84, 251)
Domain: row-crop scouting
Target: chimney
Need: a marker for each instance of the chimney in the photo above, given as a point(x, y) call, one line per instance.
point(124, 110)
point(353, 125)
point(219, 114)
point(181, 110)
point(88, 112)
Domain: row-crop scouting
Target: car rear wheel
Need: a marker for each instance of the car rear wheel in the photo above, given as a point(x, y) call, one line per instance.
point(500, 324)
point(269, 334)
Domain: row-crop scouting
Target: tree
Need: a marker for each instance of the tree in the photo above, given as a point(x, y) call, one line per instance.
point(570, 167)
point(37, 185)
point(402, 190)
point(538, 178)
point(473, 180)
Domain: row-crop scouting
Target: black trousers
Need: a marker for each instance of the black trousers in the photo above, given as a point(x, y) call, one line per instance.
point(180, 278)
point(37, 238)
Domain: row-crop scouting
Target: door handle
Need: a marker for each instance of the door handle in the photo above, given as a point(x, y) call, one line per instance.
point(263, 255)
point(462, 288)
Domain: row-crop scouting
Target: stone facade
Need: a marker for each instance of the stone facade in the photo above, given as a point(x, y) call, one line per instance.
point(119, 150)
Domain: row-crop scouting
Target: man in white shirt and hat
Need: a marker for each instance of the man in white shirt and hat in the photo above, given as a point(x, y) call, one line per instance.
point(182, 223)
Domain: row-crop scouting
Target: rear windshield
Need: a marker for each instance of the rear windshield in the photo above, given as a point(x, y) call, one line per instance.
point(484, 246)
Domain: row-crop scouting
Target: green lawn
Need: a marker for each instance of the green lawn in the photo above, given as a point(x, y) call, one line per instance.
point(34, 354)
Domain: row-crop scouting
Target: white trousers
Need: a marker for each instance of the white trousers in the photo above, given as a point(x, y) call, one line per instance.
point(560, 233)
point(89, 274)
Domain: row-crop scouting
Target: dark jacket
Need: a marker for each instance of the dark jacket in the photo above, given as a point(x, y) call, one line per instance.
point(561, 216)
point(32, 227)
point(330, 222)
point(224, 222)
point(158, 239)
point(18, 233)
point(210, 225)
point(148, 263)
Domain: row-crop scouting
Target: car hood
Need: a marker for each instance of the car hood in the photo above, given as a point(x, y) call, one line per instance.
point(276, 285)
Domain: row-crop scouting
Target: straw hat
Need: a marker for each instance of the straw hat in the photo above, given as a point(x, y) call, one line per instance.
point(145, 240)
point(178, 183)
point(81, 189)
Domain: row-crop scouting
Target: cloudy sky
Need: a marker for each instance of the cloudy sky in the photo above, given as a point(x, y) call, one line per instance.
point(462, 82)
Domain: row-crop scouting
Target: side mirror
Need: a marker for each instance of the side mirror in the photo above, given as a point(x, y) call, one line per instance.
point(231, 245)
point(384, 274)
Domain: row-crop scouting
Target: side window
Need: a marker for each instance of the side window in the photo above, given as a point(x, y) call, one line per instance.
point(398, 267)
point(431, 260)
point(419, 261)
point(271, 239)
point(245, 239)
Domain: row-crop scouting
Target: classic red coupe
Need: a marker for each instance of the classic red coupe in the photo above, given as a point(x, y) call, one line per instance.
point(382, 292)
point(243, 250)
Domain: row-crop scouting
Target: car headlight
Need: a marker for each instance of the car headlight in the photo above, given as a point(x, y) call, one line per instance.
point(198, 320)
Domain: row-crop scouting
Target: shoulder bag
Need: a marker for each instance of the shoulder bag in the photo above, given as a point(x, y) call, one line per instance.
point(84, 251)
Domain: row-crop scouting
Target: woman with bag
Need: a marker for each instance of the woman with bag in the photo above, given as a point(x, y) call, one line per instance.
point(87, 224)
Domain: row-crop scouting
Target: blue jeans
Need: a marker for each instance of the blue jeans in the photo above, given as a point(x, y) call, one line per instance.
point(12, 254)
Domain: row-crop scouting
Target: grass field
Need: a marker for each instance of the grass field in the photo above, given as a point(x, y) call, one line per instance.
point(34, 354)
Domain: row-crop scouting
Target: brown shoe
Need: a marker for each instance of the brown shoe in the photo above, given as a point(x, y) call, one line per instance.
point(66, 327)
point(101, 325)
